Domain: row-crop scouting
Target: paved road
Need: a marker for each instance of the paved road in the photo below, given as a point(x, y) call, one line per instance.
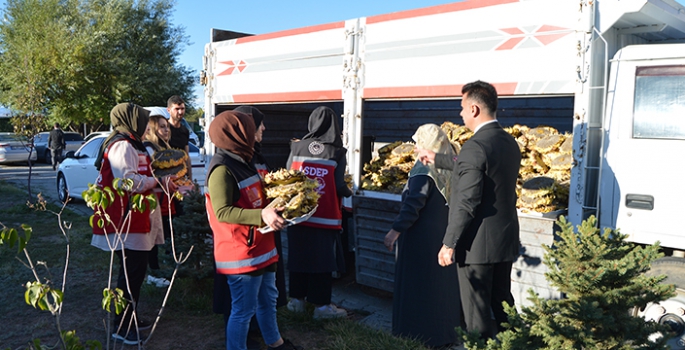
point(42, 181)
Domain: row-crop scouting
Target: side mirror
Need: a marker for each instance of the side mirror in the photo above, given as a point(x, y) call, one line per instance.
point(70, 154)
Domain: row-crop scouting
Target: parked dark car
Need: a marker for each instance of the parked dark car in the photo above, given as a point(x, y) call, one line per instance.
point(73, 140)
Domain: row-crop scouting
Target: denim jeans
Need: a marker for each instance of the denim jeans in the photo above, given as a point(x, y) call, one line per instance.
point(252, 295)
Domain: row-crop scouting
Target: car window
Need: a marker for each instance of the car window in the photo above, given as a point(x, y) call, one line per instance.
point(91, 148)
point(7, 137)
point(72, 137)
point(659, 103)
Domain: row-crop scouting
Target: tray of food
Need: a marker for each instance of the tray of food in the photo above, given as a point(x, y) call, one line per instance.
point(293, 221)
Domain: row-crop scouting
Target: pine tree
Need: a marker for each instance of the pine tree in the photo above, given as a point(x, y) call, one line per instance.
point(192, 230)
point(602, 277)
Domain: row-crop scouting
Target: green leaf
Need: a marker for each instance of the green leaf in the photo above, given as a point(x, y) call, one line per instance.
point(28, 230)
point(106, 299)
point(22, 243)
point(13, 237)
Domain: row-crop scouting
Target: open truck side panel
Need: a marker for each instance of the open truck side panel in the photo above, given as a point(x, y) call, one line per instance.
point(574, 65)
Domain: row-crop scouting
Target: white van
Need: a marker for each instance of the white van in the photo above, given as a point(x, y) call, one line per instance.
point(163, 112)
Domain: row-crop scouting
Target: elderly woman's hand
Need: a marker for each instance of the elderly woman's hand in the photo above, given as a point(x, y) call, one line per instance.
point(390, 239)
point(271, 217)
point(425, 156)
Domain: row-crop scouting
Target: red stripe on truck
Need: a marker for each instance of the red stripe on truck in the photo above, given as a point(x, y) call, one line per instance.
point(457, 6)
point(290, 32)
point(430, 91)
point(300, 96)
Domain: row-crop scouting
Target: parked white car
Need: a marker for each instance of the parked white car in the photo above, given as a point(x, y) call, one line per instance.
point(77, 170)
point(95, 134)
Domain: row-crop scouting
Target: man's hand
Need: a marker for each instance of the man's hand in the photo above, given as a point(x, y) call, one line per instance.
point(446, 256)
point(390, 239)
point(425, 156)
point(273, 219)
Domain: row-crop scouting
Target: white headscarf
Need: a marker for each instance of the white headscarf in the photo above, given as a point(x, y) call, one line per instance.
point(433, 138)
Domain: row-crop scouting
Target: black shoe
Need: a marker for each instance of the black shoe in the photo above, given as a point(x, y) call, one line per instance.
point(129, 339)
point(287, 345)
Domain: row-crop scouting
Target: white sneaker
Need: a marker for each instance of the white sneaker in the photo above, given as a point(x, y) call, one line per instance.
point(329, 311)
point(296, 305)
point(159, 282)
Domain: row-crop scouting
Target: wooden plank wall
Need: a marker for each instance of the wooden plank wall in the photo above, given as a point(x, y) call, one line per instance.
point(388, 121)
point(528, 271)
point(373, 218)
point(375, 266)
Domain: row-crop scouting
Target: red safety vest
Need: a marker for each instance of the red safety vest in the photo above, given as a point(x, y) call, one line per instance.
point(328, 215)
point(240, 248)
point(118, 210)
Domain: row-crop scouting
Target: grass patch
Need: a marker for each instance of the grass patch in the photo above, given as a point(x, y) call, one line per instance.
point(187, 322)
point(338, 334)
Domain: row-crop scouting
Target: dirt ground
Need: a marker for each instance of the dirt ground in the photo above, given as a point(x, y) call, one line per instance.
point(177, 328)
point(190, 325)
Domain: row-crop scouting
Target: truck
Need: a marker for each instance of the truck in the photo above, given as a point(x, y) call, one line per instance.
point(610, 72)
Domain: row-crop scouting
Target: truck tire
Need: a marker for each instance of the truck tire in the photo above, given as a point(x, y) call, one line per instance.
point(672, 311)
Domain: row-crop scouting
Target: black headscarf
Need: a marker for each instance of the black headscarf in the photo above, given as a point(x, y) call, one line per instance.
point(255, 113)
point(258, 118)
point(129, 121)
point(324, 127)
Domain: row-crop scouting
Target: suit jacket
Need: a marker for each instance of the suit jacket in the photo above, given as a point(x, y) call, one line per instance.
point(56, 139)
point(483, 222)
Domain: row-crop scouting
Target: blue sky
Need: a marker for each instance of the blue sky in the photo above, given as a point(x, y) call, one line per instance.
point(266, 16)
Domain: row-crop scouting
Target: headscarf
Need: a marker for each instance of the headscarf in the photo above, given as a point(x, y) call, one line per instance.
point(324, 127)
point(433, 138)
point(255, 113)
point(257, 117)
point(233, 132)
point(129, 120)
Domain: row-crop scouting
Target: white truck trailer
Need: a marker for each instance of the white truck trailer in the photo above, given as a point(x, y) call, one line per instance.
point(611, 72)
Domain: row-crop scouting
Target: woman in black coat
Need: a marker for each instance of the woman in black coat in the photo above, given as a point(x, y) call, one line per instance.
point(426, 304)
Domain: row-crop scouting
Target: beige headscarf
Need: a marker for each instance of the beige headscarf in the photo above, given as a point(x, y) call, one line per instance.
point(129, 121)
point(433, 138)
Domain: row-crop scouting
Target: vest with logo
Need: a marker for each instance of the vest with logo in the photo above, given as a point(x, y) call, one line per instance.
point(318, 161)
point(259, 162)
point(238, 248)
point(135, 223)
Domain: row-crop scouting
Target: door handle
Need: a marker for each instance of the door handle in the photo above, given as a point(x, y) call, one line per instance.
point(639, 201)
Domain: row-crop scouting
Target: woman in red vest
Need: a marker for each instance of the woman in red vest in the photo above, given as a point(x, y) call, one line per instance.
point(235, 204)
point(312, 245)
point(156, 139)
point(128, 233)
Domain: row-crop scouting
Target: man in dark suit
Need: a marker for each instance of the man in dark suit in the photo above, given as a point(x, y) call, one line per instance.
point(482, 236)
point(56, 144)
